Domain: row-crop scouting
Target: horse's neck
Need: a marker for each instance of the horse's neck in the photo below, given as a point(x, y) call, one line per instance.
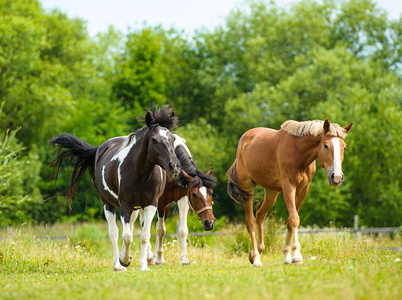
point(142, 164)
point(308, 148)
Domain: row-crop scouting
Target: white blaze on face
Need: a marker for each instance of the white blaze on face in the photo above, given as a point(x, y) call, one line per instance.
point(163, 132)
point(203, 191)
point(337, 159)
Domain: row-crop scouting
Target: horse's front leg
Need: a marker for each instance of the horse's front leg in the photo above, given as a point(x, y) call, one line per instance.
point(289, 193)
point(127, 219)
point(110, 214)
point(149, 213)
point(150, 256)
point(183, 229)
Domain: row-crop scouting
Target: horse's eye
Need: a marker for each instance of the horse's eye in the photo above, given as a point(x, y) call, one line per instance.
point(194, 195)
point(326, 146)
point(154, 140)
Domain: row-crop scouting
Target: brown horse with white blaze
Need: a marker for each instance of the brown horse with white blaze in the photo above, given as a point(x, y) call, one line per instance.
point(284, 161)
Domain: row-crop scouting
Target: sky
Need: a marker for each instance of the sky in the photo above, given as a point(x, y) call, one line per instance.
point(187, 15)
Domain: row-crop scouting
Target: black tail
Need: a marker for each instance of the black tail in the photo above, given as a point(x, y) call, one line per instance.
point(78, 150)
point(234, 189)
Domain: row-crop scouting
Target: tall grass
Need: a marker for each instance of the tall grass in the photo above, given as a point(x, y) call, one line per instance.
point(336, 267)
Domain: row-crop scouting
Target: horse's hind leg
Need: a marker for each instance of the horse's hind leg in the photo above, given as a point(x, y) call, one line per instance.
point(160, 234)
point(110, 214)
point(183, 229)
point(262, 209)
point(254, 255)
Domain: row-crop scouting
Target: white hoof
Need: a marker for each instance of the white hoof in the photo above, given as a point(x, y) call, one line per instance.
point(297, 257)
point(120, 269)
point(288, 258)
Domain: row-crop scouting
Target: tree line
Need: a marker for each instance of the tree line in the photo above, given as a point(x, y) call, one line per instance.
point(313, 60)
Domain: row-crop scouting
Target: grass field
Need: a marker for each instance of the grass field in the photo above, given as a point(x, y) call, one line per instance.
point(336, 266)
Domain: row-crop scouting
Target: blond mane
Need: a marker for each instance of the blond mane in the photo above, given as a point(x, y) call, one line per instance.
point(314, 128)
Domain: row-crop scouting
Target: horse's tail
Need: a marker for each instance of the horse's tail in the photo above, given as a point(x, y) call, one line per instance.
point(78, 150)
point(234, 189)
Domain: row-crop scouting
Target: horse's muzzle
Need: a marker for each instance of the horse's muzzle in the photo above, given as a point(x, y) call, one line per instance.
point(335, 179)
point(208, 224)
point(173, 169)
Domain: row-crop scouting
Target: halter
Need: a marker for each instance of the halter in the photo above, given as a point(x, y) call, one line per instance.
point(198, 211)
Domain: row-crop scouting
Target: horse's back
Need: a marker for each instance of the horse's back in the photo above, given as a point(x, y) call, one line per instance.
point(110, 148)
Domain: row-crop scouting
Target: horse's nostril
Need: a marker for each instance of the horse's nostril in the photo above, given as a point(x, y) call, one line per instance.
point(332, 176)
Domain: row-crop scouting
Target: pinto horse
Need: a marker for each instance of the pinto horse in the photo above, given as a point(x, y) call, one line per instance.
point(192, 188)
point(284, 161)
point(128, 172)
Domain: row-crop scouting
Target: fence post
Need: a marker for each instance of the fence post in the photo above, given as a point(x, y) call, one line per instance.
point(355, 225)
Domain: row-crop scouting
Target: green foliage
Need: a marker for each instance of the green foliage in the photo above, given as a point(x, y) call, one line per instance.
point(311, 60)
point(19, 177)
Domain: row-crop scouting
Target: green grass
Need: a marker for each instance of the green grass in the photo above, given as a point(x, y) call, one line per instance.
point(336, 266)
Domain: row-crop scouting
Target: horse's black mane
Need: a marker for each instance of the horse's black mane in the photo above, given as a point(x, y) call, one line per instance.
point(189, 165)
point(163, 117)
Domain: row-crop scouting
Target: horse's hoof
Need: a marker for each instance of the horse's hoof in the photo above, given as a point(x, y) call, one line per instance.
point(186, 263)
point(150, 262)
point(251, 257)
point(126, 264)
point(159, 263)
point(122, 269)
point(287, 262)
point(297, 260)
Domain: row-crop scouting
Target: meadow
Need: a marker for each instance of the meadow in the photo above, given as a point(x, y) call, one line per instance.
point(336, 266)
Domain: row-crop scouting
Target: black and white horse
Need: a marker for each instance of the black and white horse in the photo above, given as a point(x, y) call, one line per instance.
point(129, 173)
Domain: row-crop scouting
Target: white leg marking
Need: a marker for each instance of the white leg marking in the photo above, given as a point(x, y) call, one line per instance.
point(297, 257)
point(114, 236)
point(150, 255)
point(106, 187)
point(160, 234)
point(286, 248)
point(183, 229)
point(337, 156)
point(127, 240)
point(134, 216)
point(149, 213)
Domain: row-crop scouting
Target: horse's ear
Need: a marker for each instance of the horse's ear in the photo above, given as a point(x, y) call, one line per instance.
point(326, 125)
point(148, 119)
point(347, 128)
point(172, 115)
point(209, 171)
point(188, 177)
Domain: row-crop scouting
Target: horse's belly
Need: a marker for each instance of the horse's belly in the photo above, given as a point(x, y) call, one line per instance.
point(268, 178)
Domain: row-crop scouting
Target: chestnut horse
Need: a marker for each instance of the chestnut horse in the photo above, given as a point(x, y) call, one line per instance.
point(284, 161)
point(128, 172)
point(192, 187)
